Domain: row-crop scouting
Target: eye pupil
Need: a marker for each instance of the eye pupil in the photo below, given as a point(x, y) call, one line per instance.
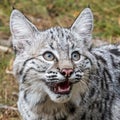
point(49, 55)
point(75, 55)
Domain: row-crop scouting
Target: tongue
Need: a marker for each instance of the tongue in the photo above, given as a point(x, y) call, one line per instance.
point(63, 87)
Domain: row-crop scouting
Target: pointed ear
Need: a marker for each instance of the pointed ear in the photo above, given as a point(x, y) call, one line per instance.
point(22, 30)
point(83, 25)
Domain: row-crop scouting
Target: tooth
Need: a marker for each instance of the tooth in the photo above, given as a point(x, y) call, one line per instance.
point(55, 89)
point(63, 90)
point(59, 89)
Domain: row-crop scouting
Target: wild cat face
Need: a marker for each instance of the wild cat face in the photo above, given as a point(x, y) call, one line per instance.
point(52, 61)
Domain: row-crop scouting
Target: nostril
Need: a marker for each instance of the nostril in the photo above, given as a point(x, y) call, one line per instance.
point(67, 72)
point(64, 73)
point(70, 72)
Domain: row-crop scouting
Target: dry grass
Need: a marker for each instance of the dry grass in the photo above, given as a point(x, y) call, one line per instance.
point(8, 90)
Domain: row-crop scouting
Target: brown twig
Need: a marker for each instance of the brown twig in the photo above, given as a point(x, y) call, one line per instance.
point(5, 49)
point(7, 107)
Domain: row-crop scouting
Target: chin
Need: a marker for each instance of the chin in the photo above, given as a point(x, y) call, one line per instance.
point(60, 98)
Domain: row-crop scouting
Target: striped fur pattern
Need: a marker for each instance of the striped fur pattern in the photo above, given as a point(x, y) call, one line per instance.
point(61, 76)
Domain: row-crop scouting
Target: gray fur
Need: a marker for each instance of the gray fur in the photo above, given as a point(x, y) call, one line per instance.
point(95, 90)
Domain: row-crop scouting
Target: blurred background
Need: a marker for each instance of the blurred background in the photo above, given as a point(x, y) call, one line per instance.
point(45, 14)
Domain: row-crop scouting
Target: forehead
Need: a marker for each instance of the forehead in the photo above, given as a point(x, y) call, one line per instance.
point(60, 38)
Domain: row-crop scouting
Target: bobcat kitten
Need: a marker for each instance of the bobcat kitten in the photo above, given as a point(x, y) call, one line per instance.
point(61, 76)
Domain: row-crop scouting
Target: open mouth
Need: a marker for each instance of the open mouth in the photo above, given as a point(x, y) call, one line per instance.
point(61, 88)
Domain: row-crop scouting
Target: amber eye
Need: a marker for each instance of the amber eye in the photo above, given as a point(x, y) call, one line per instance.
point(75, 56)
point(48, 56)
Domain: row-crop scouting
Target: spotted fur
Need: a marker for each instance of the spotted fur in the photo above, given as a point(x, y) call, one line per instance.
point(94, 92)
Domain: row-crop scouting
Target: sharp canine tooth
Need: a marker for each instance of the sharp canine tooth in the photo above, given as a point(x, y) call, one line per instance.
point(55, 89)
point(59, 89)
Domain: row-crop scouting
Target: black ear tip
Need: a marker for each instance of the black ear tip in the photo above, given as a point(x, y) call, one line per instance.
point(13, 7)
point(88, 6)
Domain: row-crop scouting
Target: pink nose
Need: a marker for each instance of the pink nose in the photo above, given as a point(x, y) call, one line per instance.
point(67, 72)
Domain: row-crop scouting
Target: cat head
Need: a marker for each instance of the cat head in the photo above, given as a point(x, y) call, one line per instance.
point(56, 61)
